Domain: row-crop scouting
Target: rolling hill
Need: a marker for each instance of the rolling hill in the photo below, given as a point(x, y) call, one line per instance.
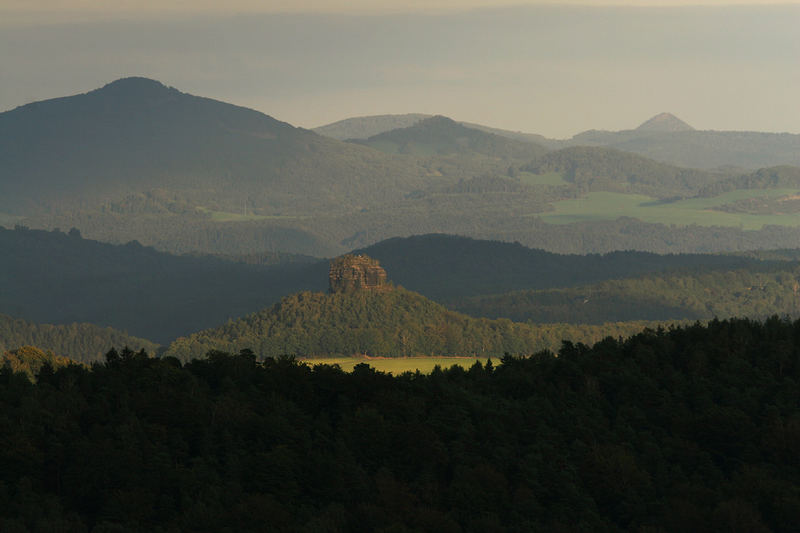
point(443, 136)
point(135, 134)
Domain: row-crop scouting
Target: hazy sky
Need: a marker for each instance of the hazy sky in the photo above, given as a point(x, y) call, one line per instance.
point(543, 68)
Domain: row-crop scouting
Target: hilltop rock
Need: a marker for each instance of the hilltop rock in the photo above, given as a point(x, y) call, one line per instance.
point(665, 122)
point(356, 272)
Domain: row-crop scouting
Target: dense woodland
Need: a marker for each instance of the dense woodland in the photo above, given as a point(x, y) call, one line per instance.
point(687, 429)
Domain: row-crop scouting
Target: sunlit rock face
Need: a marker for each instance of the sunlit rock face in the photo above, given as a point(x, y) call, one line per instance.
point(356, 272)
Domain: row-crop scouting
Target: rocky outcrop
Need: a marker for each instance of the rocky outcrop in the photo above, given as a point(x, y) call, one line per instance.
point(356, 272)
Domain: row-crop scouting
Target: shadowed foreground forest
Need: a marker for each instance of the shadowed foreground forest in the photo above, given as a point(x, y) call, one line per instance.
point(688, 429)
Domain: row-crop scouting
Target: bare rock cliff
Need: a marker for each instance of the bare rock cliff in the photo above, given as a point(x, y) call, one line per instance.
point(356, 272)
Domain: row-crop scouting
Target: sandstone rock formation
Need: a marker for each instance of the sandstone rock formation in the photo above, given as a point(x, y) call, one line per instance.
point(356, 272)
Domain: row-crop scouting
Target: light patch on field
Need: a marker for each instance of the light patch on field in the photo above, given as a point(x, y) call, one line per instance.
point(226, 216)
point(610, 206)
point(398, 365)
point(8, 220)
point(551, 178)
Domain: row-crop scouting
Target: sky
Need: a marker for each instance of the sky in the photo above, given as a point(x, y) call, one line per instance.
point(543, 67)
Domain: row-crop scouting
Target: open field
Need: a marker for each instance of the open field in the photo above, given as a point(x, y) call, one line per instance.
point(611, 205)
point(398, 365)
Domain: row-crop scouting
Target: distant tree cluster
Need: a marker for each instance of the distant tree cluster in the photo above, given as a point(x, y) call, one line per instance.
point(687, 429)
point(81, 342)
point(29, 360)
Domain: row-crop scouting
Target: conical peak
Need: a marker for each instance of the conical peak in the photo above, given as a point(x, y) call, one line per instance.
point(665, 122)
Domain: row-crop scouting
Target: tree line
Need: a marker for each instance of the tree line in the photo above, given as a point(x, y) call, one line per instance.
point(685, 429)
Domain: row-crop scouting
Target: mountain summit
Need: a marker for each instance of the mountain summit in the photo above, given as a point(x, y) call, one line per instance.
point(664, 122)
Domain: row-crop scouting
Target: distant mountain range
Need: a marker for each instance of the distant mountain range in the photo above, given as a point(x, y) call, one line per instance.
point(664, 137)
point(136, 160)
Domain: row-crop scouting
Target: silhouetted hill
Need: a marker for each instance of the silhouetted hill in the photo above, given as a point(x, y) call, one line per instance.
point(56, 278)
point(366, 127)
point(442, 136)
point(447, 267)
point(369, 126)
point(135, 134)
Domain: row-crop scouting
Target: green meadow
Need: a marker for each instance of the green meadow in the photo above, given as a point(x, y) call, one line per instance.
point(610, 206)
point(398, 365)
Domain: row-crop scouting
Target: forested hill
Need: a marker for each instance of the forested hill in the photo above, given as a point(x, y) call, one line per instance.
point(80, 342)
point(389, 323)
point(447, 267)
point(687, 429)
point(605, 169)
point(135, 134)
point(392, 323)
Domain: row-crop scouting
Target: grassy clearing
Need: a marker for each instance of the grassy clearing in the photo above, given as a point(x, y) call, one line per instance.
point(398, 365)
point(610, 206)
point(551, 178)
